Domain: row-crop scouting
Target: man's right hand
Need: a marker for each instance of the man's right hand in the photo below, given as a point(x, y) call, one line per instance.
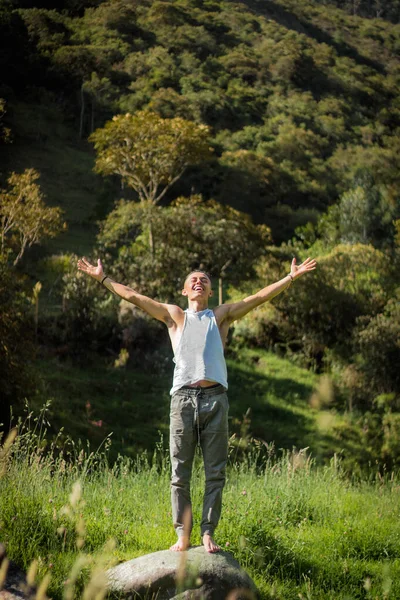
point(95, 272)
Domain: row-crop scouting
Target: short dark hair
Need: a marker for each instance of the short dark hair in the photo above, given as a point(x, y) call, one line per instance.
point(197, 271)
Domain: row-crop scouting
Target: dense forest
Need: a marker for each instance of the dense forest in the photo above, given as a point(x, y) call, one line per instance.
point(292, 114)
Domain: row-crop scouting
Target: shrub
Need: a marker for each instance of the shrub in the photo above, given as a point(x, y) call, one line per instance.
point(17, 345)
point(320, 311)
point(377, 343)
point(88, 321)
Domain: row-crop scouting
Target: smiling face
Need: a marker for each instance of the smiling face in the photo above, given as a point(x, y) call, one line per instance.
point(197, 286)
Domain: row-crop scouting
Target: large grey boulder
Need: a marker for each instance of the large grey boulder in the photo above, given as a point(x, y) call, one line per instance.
point(191, 575)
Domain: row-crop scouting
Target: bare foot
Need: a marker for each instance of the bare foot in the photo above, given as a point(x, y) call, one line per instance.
point(182, 544)
point(209, 544)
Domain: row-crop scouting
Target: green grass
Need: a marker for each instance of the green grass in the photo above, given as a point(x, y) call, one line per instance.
point(300, 531)
point(277, 394)
point(94, 400)
point(133, 405)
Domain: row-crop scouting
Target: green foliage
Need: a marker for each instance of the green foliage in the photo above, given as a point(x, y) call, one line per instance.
point(24, 218)
point(188, 234)
point(380, 159)
point(4, 131)
point(299, 99)
point(365, 214)
point(88, 320)
point(378, 9)
point(320, 312)
point(299, 83)
point(251, 172)
point(380, 431)
point(377, 346)
point(47, 28)
point(17, 347)
point(149, 153)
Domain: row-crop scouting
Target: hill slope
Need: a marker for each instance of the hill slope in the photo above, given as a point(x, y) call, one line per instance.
point(269, 400)
point(305, 86)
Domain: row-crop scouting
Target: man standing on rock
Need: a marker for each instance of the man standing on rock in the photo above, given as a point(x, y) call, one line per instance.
point(199, 403)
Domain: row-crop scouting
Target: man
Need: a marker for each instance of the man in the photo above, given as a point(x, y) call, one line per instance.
point(199, 404)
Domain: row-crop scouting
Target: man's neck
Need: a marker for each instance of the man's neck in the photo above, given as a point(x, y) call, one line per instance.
point(198, 305)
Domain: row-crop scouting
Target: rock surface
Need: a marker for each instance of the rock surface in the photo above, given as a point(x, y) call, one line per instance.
point(15, 586)
point(191, 575)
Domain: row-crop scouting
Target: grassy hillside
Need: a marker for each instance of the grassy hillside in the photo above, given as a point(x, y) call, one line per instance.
point(269, 400)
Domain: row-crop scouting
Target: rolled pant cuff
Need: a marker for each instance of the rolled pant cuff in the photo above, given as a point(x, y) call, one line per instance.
point(181, 533)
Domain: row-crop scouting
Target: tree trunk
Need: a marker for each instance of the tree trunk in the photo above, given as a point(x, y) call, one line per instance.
point(92, 119)
point(82, 112)
point(20, 253)
point(151, 238)
point(220, 280)
point(149, 217)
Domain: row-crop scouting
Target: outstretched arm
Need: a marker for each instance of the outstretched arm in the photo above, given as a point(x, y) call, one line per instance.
point(155, 309)
point(232, 312)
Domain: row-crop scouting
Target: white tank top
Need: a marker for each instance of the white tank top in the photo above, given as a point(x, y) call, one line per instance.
point(200, 353)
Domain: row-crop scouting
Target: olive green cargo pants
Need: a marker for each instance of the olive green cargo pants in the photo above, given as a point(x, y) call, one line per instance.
point(198, 416)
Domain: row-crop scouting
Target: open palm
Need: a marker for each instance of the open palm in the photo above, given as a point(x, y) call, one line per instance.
point(297, 270)
point(94, 271)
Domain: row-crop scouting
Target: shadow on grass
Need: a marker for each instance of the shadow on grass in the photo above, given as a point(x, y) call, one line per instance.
point(274, 558)
point(278, 409)
point(251, 389)
point(93, 402)
point(133, 406)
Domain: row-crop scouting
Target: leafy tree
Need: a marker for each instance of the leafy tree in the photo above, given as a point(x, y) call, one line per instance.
point(319, 105)
point(149, 153)
point(88, 322)
point(168, 104)
point(24, 218)
point(365, 214)
point(373, 9)
point(355, 216)
point(397, 233)
point(382, 159)
point(254, 173)
point(47, 28)
point(260, 181)
point(98, 93)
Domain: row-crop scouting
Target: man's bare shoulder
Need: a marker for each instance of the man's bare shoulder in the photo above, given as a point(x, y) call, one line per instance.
point(221, 312)
point(176, 315)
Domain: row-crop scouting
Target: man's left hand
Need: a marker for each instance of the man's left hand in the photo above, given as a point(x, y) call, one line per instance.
point(298, 270)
